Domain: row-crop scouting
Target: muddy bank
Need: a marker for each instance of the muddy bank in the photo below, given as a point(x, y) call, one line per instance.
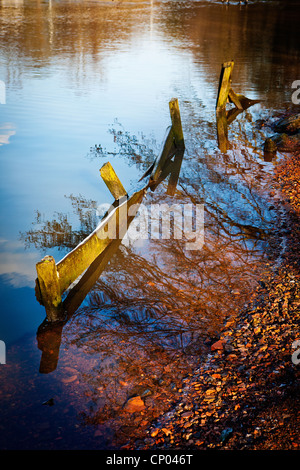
point(246, 394)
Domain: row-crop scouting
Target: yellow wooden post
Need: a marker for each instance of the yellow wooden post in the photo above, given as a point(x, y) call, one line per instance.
point(168, 150)
point(112, 181)
point(224, 84)
point(222, 130)
point(176, 122)
point(48, 282)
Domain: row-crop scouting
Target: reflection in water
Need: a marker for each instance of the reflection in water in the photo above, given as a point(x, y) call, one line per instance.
point(166, 297)
point(59, 231)
point(167, 164)
point(6, 131)
point(73, 31)
point(143, 325)
point(49, 334)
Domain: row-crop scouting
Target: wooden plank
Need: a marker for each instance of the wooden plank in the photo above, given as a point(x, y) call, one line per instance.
point(246, 102)
point(168, 150)
point(77, 294)
point(224, 84)
point(79, 259)
point(176, 122)
point(234, 98)
point(112, 181)
point(172, 141)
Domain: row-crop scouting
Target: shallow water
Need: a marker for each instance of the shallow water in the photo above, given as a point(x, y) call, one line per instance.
point(87, 82)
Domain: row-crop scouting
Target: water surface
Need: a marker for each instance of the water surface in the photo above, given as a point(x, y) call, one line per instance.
point(87, 82)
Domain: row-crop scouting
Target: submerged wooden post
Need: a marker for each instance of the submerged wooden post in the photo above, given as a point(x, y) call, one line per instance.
point(176, 123)
point(54, 279)
point(224, 84)
point(222, 130)
point(112, 181)
point(172, 144)
point(48, 283)
point(168, 150)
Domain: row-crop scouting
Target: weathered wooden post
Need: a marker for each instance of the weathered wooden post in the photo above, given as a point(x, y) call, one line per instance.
point(226, 94)
point(222, 130)
point(224, 84)
point(176, 123)
point(173, 144)
point(48, 284)
point(53, 279)
point(112, 181)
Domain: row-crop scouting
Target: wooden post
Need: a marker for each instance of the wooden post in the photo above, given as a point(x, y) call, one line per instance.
point(48, 341)
point(168, 150)
point(176, 122)
point(54, 279)
point(224, 84)
point(222, 130)
point(172, 144)
point(112, 181)
point(48, 282)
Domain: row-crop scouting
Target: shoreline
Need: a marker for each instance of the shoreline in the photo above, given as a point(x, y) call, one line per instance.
point(245, 396)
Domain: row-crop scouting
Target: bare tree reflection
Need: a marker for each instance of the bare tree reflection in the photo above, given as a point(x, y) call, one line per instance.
point(138, 150)
point(59, 232)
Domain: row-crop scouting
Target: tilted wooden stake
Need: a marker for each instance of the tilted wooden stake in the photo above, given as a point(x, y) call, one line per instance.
point(112, 181)
point(224, 84)
point(176, 123)
point(168, 151)
point(172, 144)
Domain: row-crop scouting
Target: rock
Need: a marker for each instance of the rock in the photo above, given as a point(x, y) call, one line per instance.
point(134, 404)
point(166, 431)
point(218, 345)
point(288, 125)
point(186, 415)
point(226, 434)
point(49, 402)
point(70, 379)
point(154, 432)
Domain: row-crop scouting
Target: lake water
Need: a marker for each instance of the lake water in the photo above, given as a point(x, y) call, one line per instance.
point(86, 82)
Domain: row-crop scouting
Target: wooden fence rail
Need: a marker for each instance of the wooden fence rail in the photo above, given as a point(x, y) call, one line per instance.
point(53, 279)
